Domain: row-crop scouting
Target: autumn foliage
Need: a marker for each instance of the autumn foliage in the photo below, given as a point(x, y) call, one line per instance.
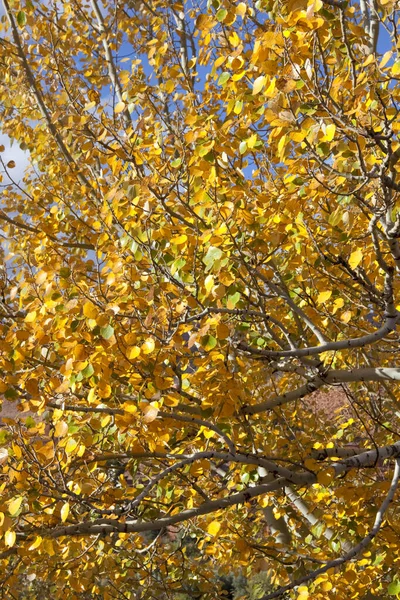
point(206, 234)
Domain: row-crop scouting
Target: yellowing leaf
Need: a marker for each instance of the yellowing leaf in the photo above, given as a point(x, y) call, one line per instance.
point(355, 258)
point(64, 512)
point(259, 84)
point(15, 505)
point(213, 527)
point(9, 538)
point(71, 445)
point(324, 296)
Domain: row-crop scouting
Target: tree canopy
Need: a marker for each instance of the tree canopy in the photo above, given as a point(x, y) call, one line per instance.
point(206, 234)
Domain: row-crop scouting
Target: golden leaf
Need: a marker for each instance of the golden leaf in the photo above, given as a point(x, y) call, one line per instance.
point(213, 527)
point(324, 296)
point(259, 84)
point(119, 107)
point(14, 506)
point(355, 258)
point(64, 512)
point(9, 538)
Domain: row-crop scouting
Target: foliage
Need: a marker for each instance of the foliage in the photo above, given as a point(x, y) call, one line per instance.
point(208, 232)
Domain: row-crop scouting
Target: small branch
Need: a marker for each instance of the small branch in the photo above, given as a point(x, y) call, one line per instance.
point(354, 551)
point(365, 340)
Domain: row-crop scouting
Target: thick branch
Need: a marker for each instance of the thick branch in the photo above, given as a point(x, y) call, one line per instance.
point(332, 377)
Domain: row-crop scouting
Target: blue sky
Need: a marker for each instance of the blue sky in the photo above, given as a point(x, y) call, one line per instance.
point(21, 158)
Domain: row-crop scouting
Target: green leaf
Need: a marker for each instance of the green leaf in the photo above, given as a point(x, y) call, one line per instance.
point(208, 342)
point(394, 588)
point(21, 18)
point(87, 371)
point(176, 163)
point(242, 147)
point(64, 272)
point(10, 394)
point(223, 78)
point(212, 255)
point(335, 217)
point(221, 14)
point(107, 332)
point(233, 299)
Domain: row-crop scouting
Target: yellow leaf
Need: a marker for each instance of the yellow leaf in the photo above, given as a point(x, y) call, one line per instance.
point(90, 310)
point(119, 107)
point(269, 92)
point(385, 59)
point(281, 146)
point(129, 408)
point(71, 445)
point(48, 547)
point(339, 302)
point(36, 543)
point(9, 538)
point(148, 346)
point(241, 9)
point(150, 413)
point(396, 68)
point(330, 132)
point(30, 317)
point(369, 60)
point(64, 512)
point(61, 429)
point(355, 258)
point(213, 527)
point(41, 277)
point(258, 84)
point(209, 283)
point(324, 296)
point(346, 316)
point(180, 239)
point(327, 586)
point(133, 352)
point(14, 506)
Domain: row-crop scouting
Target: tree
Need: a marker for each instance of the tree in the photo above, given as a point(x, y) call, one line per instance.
point(208, 232)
